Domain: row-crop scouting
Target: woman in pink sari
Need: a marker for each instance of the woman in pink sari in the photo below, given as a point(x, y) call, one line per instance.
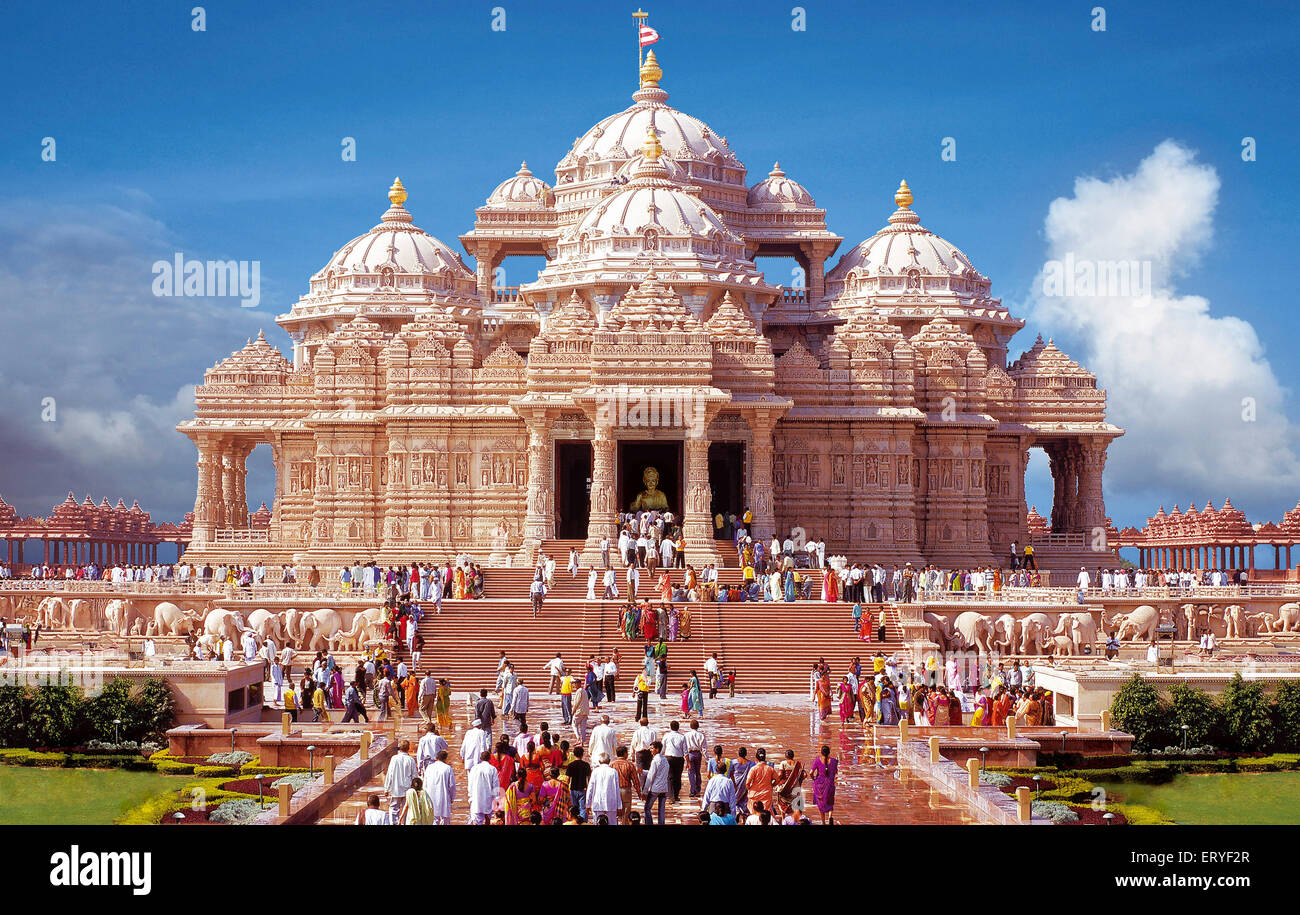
point(864, 626)
point(823, 774)
point(665, 586)
point(846, 700)
point(336, 688)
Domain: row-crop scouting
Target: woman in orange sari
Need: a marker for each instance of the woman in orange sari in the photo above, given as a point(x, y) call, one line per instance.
point(824, 695)
point(684, 624)
point(412, 695)
point(458, 588)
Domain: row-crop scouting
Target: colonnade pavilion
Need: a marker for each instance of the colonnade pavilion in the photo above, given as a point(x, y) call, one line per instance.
point(426, 412)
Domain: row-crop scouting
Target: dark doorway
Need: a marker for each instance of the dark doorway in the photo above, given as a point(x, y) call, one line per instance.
point(664, 457)
point(573, 489)
point(726, 485)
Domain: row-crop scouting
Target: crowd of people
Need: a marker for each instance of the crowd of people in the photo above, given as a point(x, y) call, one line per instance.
point(986, 695)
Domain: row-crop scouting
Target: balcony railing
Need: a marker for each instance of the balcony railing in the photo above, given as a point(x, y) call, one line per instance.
point(242, 535)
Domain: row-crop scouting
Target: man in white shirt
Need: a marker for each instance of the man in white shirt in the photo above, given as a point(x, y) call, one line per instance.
point(715, 672)
point(695, 743)
point(603, 740)
point(519, 703)
point(1084, 579)
point(643, 739)
point(484, 786)
point(657, 783)
point(475, 743)
point(401, 772)
point(430, 745)
point(555, 669)
point(720, 790)
point(440, 786)
point(604, 796)
point(674, 751)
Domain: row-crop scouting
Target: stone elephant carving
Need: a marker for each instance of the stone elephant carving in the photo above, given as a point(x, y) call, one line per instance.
point(1140, 623)
point(1004, 633)
point(51, 612)
point(942, 632)
point(975, 629)
point(120, 615)
point(82, 615)
point(366, 625)
point(1236, 626)
point(1035, 633)
point(169, 619)
point(267, 625)
point(319, 626)
point(293, 627)
point(1288, 618)
point(225, 623)
point(1062, 646)
point(1080, 628)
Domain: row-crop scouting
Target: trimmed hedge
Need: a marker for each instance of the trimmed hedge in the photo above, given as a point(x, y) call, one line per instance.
point(152, 811)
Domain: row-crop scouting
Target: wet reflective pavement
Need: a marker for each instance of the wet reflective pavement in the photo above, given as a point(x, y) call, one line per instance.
point(866, 793)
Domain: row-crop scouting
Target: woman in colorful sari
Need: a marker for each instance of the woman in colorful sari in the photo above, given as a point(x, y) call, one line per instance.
point(336, 688)
point(674, 624)
point(866, 696)
point(789, 586)
point(412, 695)
point(418, 810)
point(823, 774)
point(1001, 707)
point(691, 580)
point(539, 760)
point(789, 785)
point(553, 798)
point(519, 800)
point(458, 586)
point(890, 713)
point(684, 624)
point(864, 625)
point(649, 624)
point(442, 707)
point(664, 586)
point(830, 585)
point(846, 700)
point(954, 708)
point(937, 705)
point(823, 695)
point(631, 618)
point(695, 696)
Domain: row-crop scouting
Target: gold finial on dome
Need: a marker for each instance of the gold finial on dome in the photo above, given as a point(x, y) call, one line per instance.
point(903, 196)
point(651, 149)
point(650, 72)
point(397, 193)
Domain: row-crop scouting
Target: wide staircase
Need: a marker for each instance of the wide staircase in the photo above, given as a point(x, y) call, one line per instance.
point(771, 645)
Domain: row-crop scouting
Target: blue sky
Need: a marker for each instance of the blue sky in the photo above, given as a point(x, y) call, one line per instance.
point(226, 144)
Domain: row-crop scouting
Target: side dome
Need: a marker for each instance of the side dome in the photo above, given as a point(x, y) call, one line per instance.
point(522, 189)
point(905, 250)
point(779, 191)
point(395, 246)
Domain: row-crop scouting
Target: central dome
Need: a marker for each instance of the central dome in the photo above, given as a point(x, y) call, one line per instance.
point(692, 151)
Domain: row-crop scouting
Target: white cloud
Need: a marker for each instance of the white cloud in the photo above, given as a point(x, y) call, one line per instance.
point(1177, 376)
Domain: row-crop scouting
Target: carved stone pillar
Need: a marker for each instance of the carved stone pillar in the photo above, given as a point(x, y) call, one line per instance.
point(602, 519)
point(697, 524)
point(539, 521)
point(1092, 508)
point(761, 496)
point(207, 497)
point(237, 512)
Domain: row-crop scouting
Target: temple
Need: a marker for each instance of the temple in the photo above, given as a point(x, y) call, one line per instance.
point(81, 533)
point(427, 410)
point(1213, 538)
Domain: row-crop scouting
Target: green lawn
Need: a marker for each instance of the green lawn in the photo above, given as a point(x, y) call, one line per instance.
point(1262, 799)
point(35, 796)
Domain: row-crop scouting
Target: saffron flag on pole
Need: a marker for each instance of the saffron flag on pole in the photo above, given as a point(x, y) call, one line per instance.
point(648, 35)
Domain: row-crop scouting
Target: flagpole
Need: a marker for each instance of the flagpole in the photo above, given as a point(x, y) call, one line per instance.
point(640, 17)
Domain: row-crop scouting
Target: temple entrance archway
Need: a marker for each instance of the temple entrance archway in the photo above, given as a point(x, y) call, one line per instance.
point(726, 485)
point(572, 489)
point(634, 457)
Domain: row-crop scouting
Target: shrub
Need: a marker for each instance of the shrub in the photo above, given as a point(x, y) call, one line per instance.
point(297, 781)
point(1194, 707)
point(1138, 709)
point(15, 708)
point(236, 758)
point(1054, 811)
point(996, 779)
point(1247, 716)
point(55, 713)
point(1287, 715)
point(239, 810)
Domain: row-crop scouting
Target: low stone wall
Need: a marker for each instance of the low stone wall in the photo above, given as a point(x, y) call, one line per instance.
point(317, 800)
point(986, 804)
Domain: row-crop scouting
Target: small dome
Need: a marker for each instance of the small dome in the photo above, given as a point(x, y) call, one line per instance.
point(521, 189)
point(395, 246)
point(905, 248)
point(777, 190)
